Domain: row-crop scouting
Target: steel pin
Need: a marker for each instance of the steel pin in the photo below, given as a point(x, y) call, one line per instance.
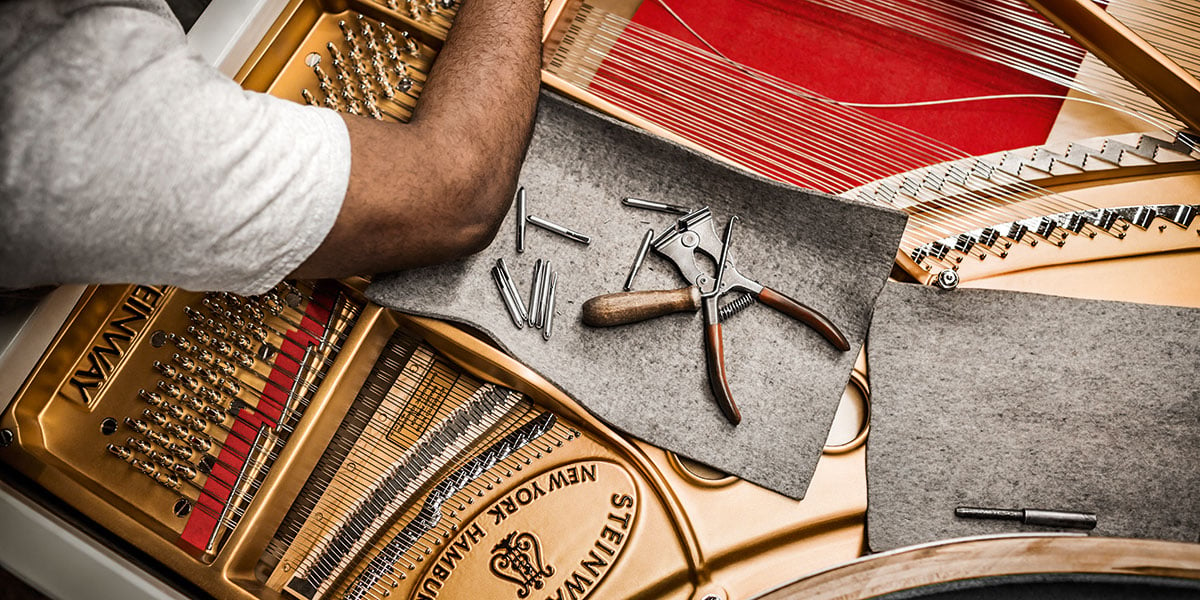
point(559, 229)
point(544, 290)
point(548, 330)
point(521, 223)
point(508, 302)
point(535, 295)
point(637, 260)
point(512, 288)
point(656, 206)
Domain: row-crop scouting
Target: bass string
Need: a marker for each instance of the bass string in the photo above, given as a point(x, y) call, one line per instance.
point(824, 108)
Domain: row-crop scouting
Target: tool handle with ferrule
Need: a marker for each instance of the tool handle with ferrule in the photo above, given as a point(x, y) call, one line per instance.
point(805, 315)
point(623, 308)
point(715, 356)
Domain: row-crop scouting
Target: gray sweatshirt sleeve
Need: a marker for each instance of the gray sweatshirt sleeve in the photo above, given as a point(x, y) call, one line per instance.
point(125, 158)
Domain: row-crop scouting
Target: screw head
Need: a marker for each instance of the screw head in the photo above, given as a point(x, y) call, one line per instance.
point(948, 279)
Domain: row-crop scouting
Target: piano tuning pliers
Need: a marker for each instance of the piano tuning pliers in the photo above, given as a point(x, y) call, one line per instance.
point(695, 234)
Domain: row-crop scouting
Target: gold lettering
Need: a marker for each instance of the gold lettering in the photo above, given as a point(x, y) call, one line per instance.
point(593, 565)
point(588, 472)
point(573, 474)
point(476, 533)
point(558, 480)
point(612, 535)
point(624, 521)
point(440, 572)
point(578, 585)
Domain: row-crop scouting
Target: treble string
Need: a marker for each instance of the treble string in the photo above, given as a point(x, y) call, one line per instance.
point(640, 69)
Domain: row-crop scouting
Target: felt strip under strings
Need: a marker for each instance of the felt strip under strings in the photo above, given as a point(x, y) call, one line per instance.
point(648, 379)
point(1013, 400)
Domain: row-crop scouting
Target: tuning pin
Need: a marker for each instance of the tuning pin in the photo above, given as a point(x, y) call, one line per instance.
point(308, 97)
point(207, 376)
point(192, 403)
point(185, 471)
point(204, 356)
point(143, 466)
point(149, 398)
point(213, 414)
point(189, 382)
point(167, 480)
point(217, 328)
point(243, 360)
point(166, 369)
point(195, 423)
point(410, 45)
point(180, 451)
point(183, 361)
point(222, 347)
point(225, 367)
point(177, 430)
point(137, 425)
point(209, 395)
point(120, 452)
point(169, 389)
point(154, 416)
point(200, 443)
point(200, 335)
point(139, 445)
point(160, 459)
point(173, 411)
point(158, 438)
point(193, 314)
point(181, 342)
point(229, 387)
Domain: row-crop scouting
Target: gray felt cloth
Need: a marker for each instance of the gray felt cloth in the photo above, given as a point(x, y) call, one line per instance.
point(1014, 400)
point(649, 379)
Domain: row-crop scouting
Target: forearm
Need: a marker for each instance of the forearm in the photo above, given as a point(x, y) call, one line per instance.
point(469, 134)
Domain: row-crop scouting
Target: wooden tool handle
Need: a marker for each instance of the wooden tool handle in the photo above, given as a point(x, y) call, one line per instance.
point(805, 315)
point(715, 355)
point(623, 308)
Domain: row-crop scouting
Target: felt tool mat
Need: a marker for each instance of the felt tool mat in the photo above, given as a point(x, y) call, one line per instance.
point(1013, 400)
point(649, 378)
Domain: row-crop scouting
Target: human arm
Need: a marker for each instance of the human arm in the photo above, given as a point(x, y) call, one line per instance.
point(437, 188)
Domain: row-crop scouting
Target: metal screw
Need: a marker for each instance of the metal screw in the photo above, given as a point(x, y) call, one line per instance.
point(948, 279)
point(6, 438)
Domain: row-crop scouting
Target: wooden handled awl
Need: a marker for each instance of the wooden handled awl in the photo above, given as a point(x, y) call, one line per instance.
point(623, 308)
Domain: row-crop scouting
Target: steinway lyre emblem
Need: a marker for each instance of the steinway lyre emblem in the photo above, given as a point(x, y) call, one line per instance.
point(518, 558)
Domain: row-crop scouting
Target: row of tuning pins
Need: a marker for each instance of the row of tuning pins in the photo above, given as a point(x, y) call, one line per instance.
point(373, 77)
point(439, 13)
point(207, 386)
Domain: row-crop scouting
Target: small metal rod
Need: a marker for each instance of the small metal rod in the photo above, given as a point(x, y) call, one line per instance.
point(1031, 516)
point(544, 292)
point(548, 330)
point(559, 229)
point(724, 258)
point(535, 295)
point(637, 260)
point(655, 206)
point(521, 222)
point(509, 305)
point(506, 277)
